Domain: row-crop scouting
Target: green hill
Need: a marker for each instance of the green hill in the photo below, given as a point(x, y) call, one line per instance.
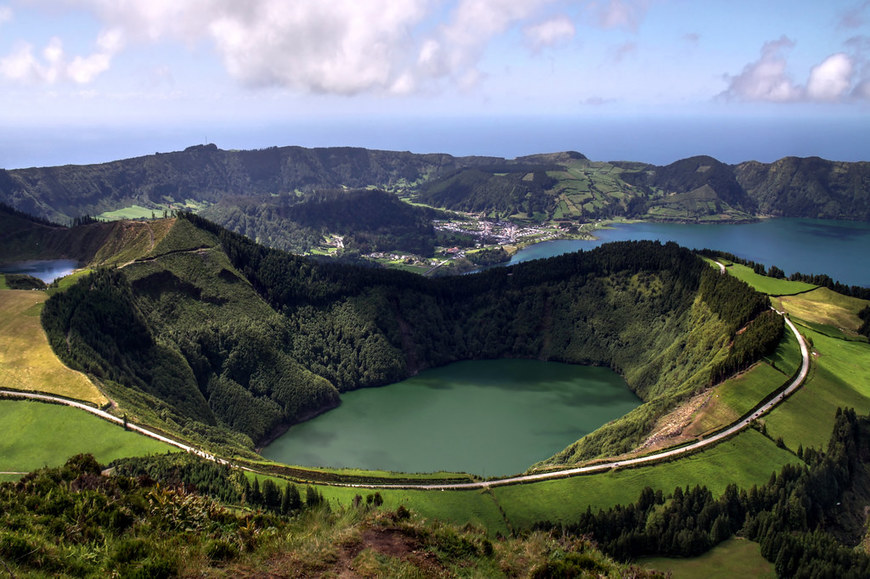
point(213, 333)
point(290, 197)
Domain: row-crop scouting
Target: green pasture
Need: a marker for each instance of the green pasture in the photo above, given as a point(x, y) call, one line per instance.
point(745, 391)
point(733, 558)
point(131, 212)
point(68, 281)
point(839, 377)
point(787, 356)
point(3, 285)
point(748, 458)
point(36, 434)
point(768, 285)
point(833, 314)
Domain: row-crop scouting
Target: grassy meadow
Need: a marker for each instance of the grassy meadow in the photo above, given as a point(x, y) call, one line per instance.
point(27, 362)
point(768, 285)
point(732, 558)
point(36, 434)
point(746, 459)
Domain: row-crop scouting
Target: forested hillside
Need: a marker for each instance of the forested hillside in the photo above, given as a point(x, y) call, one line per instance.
point(206, 173)
point(213, 327)
point(289, 197)
point(811, 187)
point(367, 219)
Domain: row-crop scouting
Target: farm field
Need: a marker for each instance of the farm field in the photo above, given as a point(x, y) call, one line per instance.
point(37, 434)
point(769, 285)
point(27, 361)
point(746, 459)
point(840, 377)
point(732, 558)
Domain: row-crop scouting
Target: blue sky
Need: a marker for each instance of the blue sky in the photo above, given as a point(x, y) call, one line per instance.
point(187, 67)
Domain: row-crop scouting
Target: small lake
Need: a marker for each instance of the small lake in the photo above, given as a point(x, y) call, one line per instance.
point(491, 417)
point(47, 270)
point(840, 249)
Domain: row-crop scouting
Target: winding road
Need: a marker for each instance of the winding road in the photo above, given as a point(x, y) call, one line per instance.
point(718, 437)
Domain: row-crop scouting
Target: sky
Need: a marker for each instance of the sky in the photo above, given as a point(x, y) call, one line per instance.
point(90, 80)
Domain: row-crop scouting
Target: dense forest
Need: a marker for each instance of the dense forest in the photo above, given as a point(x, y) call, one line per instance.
point(242, 338)
point(368, 219)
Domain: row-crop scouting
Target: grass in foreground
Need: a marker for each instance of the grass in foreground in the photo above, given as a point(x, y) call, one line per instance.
point(73, 522)
point(768, 285)
point(733, 558)
point(37, 435)
point(27, 362)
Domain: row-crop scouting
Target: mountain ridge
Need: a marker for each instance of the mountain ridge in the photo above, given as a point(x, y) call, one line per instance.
point(211, 173)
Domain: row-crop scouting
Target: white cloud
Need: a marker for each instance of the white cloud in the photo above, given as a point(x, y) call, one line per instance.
point(766, 79)
point(54, 66)
point(831, 80)
point(550, 32)
point(625, 14)
point(342, 47)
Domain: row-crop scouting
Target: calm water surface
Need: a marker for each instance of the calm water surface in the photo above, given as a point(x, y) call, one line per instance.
point(840, 249)
point(47, 270)
point(493, 417)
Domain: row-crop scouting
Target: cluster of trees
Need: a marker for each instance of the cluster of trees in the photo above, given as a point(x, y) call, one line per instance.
point(22, 281)
point(823, 280)
point(220, 482)
point(865, 319)
point(759, 339)
point(789, 516)
point(490, 256)
point(94, 327)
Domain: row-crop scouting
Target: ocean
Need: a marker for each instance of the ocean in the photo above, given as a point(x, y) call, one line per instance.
point(653, 140)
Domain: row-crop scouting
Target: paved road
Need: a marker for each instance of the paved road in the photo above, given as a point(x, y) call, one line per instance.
point(718, 437)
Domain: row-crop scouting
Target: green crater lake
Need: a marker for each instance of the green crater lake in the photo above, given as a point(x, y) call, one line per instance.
point(492, 418)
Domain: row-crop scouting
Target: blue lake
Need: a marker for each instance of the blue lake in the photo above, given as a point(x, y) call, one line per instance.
point(47, 270)
point(840, 249)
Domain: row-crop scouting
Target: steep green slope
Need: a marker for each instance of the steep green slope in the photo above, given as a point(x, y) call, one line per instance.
point(206, 173)
point(810, 187)
point(234, 335)
point(368, 219)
